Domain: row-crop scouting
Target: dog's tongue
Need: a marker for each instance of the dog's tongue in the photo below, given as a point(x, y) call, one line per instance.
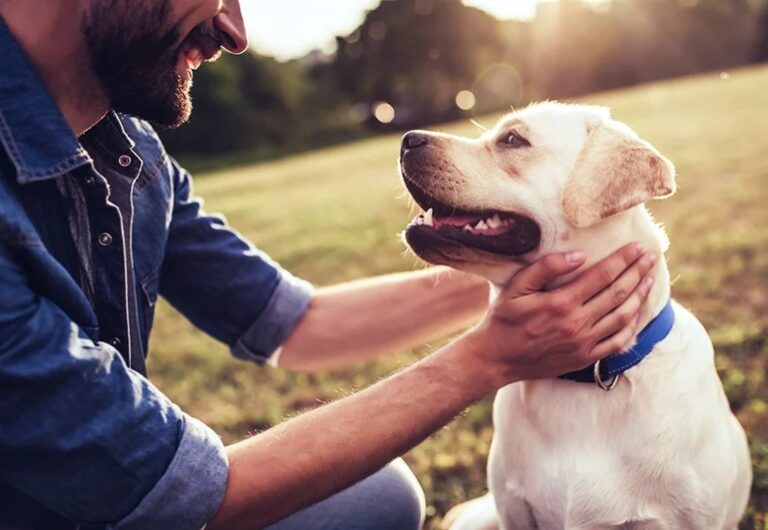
point(476, 224)
point(457, 221)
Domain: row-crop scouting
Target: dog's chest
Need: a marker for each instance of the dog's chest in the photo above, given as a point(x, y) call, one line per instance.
point(577, 454)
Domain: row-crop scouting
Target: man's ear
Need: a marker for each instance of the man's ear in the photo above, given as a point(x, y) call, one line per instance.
point(614, 172)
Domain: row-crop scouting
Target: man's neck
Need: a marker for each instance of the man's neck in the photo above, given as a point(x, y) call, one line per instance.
point(49, 33)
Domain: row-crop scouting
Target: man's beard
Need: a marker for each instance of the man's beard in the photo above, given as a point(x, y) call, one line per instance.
point(133, 49)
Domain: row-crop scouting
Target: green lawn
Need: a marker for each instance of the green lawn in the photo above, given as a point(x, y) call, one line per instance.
point(335, 215)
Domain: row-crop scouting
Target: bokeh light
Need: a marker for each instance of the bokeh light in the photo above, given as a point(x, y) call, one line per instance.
point(465, 100)
point(384, 112)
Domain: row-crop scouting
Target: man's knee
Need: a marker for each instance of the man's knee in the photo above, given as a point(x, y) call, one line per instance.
point(400, 503)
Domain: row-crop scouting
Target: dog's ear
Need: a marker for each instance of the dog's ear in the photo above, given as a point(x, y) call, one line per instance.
point(614, 172)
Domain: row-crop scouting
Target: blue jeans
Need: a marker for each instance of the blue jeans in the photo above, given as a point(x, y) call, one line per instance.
point(391, 499)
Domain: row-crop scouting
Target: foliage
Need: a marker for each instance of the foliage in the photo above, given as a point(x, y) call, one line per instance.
point(761, 49)
point(418, 54)
point(254, 103)
point(333, 215)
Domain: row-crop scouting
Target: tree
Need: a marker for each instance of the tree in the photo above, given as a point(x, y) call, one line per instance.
point(417, 55)
point(761, 48)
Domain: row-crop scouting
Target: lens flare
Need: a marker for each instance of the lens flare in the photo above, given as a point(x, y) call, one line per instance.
point(384, 112)
point(465, 100)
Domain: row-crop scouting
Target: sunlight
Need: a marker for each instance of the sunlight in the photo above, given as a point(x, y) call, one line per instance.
point(275, 28)
point(506, 9)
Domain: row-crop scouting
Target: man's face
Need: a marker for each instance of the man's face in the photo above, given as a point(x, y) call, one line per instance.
point(143, 52)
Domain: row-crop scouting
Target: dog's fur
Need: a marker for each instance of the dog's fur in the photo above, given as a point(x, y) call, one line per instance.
point(663, 449)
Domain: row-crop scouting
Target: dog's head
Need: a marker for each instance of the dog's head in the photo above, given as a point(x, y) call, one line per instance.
point(543, 177)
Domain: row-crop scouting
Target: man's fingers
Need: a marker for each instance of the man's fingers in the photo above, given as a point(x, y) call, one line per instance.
point(615, 343)
point(631, 280)
point(605, 272)
point(543, 272)
point(624, 315)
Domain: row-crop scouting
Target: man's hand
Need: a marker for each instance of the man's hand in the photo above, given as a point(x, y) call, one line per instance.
point(530, 333)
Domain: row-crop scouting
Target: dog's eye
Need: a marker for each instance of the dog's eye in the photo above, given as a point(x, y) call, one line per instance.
point(513, 139)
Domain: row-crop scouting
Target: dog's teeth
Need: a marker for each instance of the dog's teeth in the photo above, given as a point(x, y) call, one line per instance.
point(467, 228)
point(494, 222)
point(428, 217)
point(481, 226)
point(419, 220)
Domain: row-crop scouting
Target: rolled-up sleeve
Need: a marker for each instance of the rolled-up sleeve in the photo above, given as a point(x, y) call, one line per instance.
point(191, 490)
point(224, 284)
point(87, 437)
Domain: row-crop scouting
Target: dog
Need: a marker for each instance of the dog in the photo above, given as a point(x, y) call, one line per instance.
point(652, 447)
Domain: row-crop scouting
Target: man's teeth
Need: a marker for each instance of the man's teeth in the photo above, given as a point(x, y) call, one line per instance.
point(194, 58)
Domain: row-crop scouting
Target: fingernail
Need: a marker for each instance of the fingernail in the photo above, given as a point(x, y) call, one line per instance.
point(647, 284)
point(637, 249)
point(650, 259)
point(575, 257)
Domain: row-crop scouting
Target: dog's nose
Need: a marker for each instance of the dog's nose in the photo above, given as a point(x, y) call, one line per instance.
point(413, 140)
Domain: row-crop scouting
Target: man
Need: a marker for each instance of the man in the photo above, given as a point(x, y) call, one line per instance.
point(96, 220)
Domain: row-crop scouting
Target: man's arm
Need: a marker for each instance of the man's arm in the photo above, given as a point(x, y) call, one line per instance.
point(527, 335)
point(365, 319)
point(85, 436)
point(235, 293)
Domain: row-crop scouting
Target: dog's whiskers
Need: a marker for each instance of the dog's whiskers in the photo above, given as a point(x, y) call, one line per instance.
point(479, 125)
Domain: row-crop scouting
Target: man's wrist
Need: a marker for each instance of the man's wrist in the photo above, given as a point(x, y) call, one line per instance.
point(470, 368)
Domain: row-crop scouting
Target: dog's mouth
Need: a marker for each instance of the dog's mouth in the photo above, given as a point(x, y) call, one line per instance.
point(498, 232)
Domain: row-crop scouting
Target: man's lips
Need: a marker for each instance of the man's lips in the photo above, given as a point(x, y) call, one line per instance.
point(200, 46)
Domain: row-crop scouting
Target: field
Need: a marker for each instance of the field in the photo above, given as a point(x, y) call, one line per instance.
point(334, 215)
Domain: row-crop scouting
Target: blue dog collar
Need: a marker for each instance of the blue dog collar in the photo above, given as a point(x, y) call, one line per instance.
point(606, 373)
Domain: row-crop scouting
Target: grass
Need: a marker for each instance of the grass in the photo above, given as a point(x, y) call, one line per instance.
point(334, 215)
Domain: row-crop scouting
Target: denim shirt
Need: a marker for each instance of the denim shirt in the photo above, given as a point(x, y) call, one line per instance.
point(92, 230)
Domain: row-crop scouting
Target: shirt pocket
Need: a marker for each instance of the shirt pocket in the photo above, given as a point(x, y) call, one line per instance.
point(148, 293)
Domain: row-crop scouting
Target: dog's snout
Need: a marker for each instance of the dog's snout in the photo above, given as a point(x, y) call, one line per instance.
point(414, 140)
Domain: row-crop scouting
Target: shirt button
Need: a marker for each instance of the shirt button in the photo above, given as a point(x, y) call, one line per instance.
point(105, 239)
point(115, 343)
point(124, 160)
point(89, 180)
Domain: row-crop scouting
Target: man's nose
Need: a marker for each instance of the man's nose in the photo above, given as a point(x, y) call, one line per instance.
point(229, 23)
point(414, 140)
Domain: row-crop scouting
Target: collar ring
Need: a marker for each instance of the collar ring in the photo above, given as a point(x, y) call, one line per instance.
point(606, 384)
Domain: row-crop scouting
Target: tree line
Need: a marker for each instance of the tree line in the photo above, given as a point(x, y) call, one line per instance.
point(416, 62)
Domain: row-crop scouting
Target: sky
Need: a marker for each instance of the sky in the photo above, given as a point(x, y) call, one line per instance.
point(291, 28)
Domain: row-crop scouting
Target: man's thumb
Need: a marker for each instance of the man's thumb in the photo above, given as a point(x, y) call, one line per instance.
point(545, 271)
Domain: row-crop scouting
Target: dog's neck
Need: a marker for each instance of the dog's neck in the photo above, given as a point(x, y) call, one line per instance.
point(633, 225)
point(600, 241)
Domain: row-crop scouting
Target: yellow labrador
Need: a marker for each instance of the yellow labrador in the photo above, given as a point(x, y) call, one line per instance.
point(661, 449)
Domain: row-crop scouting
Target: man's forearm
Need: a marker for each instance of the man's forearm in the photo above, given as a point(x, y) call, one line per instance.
point(312, 456)
point(527, 334)
point(363, 320)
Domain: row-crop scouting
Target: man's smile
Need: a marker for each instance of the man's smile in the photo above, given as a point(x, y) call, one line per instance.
point(199, 46)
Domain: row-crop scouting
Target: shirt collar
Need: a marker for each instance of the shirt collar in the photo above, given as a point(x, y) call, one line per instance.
point(33, 131)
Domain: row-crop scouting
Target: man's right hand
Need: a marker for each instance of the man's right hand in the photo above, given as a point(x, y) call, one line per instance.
point(530, 333)
point(527, 334)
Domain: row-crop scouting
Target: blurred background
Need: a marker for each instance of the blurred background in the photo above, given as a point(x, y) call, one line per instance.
point(326, 72)
point(297, 143)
